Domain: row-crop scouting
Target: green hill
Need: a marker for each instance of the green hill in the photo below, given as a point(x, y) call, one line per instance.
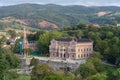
point(61, 16)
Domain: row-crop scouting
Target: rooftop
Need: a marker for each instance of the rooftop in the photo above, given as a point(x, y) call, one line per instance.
point(70, 39)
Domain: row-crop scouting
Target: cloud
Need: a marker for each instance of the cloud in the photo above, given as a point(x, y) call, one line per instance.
point(64, 2)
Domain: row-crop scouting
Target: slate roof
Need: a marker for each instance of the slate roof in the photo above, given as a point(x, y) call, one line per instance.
point(84, 40)
point(70, 39)
point(64, 39)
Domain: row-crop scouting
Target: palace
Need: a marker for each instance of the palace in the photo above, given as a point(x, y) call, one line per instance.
point(69, 48)
point(66, 53)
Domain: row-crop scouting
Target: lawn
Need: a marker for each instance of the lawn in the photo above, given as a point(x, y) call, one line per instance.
point(23, 77)
point(2, 33)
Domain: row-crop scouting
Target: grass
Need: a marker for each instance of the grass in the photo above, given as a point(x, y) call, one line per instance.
point(2, 33)
point(23, 77)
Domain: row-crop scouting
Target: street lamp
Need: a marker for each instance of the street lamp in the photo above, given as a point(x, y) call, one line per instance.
point(21, 41)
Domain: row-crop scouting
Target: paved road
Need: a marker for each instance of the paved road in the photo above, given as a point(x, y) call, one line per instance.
point(108, 64)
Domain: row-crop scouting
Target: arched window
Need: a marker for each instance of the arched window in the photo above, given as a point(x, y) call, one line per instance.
point(68, 55)
point(84, 49)
point(53, 54)
point(64, 55)
point(78, 50)
point(81, 55)
point(84, 55)
point(90, 49)
point(87, 49)
point(87, 55)
point(72, 55)
point(57, 54)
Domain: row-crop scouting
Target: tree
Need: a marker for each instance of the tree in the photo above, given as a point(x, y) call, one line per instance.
point(16, 48)
point(3, 67)
point(118, 62)
point(8, 62)
point(12, 60)
point(99, 46)
point(114, 75)
point(1, 25)
point(44, 40)
point(12, 33)
point(69, 76)
point(53, 77)
point(80, 26)
point(97, 55)
point(79, 34)
point(39, 72)
point(39, 33)
point(2, 41)
point(86, 70)
point(27, 51)
point(97, 63)
point(34, 62)
point(109, 34)
point(98, 77)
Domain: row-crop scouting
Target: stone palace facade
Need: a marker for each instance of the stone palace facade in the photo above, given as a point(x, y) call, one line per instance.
point(69, 48)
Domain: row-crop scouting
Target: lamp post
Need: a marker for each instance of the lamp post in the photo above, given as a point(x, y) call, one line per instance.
point(21, 41)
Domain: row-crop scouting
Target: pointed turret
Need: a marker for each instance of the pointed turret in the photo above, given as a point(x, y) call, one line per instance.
point(25, 42)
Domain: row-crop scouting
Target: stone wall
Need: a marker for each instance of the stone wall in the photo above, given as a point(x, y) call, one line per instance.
point(56, 64)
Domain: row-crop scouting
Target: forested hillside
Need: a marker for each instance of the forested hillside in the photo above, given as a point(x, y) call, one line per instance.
point(61, 16)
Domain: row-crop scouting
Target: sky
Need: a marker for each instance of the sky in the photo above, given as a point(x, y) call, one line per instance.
point(64, 2)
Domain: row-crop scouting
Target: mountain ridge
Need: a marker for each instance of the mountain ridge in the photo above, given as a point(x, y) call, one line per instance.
point(63, 16)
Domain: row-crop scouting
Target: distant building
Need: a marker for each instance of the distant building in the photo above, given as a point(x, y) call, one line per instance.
point(94, 25)
point(28, 44)
point(118, 25)
point(68, 48)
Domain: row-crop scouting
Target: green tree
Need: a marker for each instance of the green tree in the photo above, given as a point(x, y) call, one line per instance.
point(3, 67)
point(2, 41)
point(12, 60)
point(27, 51)
point(98, 77)
point(16, 48)
point(118, 62)
point(39, 72)
point(86, 70)
point(34, 62)
point(114, 75)
point(12, 33)
point(8, 62)
point(97, 63)
point(69, 76)
point(79, 34)
point(99, 46)
point(44, 40)
point(109, 34)
point(53, 77)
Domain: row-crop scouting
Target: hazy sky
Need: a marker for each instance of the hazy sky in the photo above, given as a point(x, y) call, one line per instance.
point(64, 2)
